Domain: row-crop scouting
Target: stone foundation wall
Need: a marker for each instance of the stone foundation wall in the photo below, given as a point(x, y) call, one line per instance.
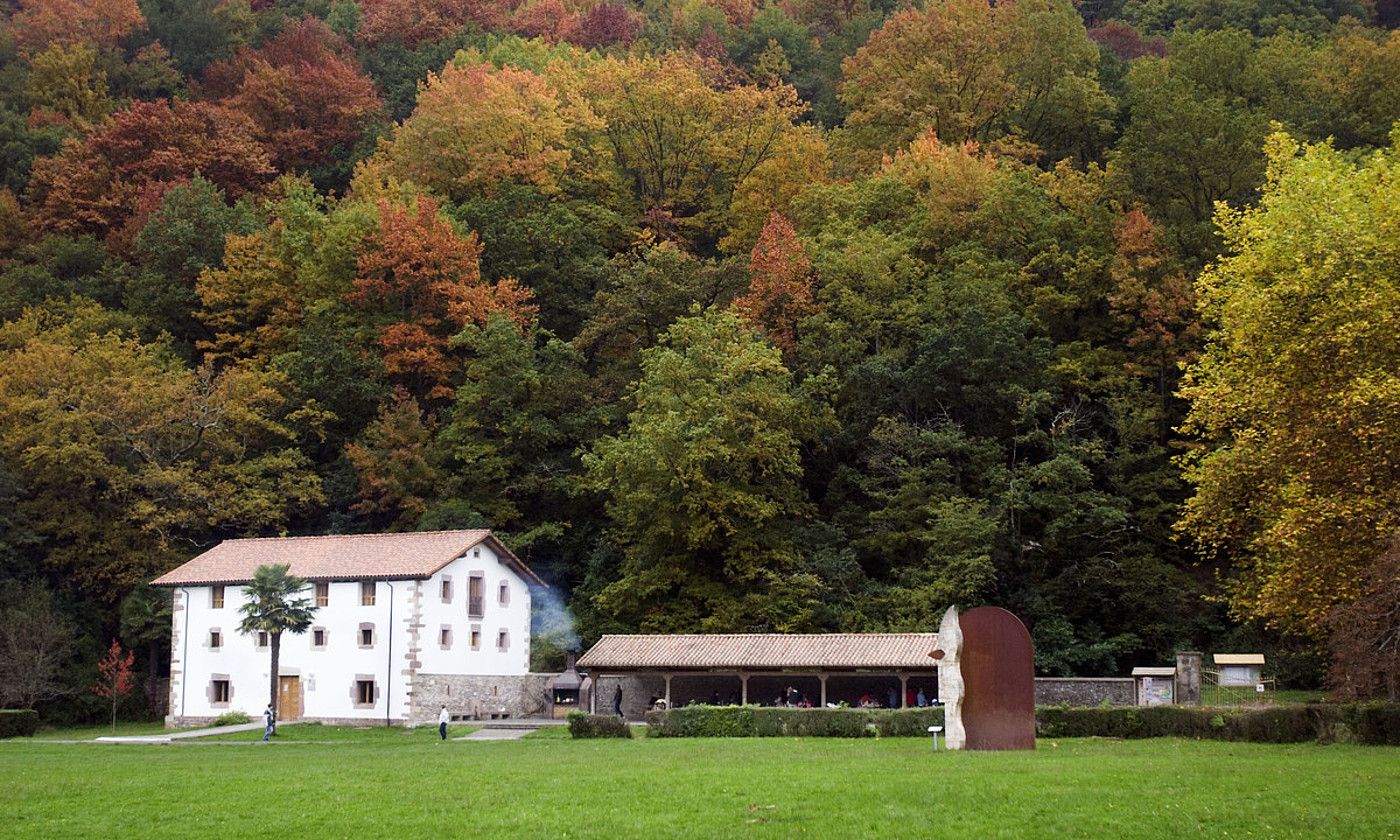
point(1084, 691)
point(478, 698)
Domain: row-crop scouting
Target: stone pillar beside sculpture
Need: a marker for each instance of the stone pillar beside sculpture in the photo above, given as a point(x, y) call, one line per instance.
point(1188, 677)
point(986, 680)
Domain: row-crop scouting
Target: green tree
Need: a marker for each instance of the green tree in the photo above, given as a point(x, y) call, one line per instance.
point(704, 483)
point(274, 608)
point(145, 622)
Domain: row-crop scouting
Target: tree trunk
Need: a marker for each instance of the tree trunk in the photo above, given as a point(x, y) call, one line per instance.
point(115, 698)
point(276, 653)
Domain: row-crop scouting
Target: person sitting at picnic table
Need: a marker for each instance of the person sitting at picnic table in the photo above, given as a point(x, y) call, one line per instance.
point(867, 701)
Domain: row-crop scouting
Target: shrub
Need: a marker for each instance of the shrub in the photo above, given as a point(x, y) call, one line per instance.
point(231, 719)
point(1378, 723)
point(764, 722)
point(584, 725)
point(1276, 725)
point(16, 723)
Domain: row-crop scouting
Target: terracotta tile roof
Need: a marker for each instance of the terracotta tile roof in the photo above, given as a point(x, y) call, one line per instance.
point(757, 651)
point(341, 557)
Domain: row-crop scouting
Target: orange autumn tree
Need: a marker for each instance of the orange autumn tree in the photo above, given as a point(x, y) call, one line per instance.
point(96, 184)
point(304, 91)
point(780, 288)
point(410, 22)
point(101, 23)
point(421, 282)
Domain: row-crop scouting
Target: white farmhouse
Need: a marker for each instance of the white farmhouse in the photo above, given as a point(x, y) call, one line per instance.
point(405, 623)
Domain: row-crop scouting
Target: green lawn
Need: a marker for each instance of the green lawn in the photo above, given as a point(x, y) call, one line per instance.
point(87, 733)
point(663, 788)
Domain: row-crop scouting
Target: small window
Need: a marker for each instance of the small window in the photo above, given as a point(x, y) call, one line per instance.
point(503, 594)
point(476, 638)
point(216, 597)
point(503, 640)
point(323, 594)
point(367, 637)
point(445, 637)
point(447, 590)
point(262, 639)
point(216, 639)
point(318, 637)
point(220, 692)
point(364, 692)
point(366, 593)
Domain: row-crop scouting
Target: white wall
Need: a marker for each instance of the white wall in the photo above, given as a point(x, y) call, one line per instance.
point(328, 676)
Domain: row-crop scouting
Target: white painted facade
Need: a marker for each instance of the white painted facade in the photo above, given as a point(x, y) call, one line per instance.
point(406, 638)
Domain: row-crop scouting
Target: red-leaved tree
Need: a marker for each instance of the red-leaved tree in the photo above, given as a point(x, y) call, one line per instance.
point(780, 288)
point(114, 678)
point(421, 283)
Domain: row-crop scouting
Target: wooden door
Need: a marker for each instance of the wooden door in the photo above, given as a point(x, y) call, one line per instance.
point(289, 698)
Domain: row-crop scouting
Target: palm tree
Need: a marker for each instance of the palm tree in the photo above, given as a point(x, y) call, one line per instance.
point(273, 608)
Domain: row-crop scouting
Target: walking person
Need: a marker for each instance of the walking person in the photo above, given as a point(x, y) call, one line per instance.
point(617, 700)
point(267, 722)
point(443, 717)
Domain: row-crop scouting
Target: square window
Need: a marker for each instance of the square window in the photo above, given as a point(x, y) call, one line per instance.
point(366, 637)
point(262, 639)
point(476, 638)
point(216, 639)
point(220, 692)
point(364, 692)
point(503, 640)
point(216, 597)
point(445, 637)
point(318, 637)
point(366, 593)
point(323, 594)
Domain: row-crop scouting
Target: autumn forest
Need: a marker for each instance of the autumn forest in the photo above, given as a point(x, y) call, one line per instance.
point(727, 315)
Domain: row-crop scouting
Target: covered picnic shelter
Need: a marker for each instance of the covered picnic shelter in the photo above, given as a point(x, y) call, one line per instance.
point(757, 668)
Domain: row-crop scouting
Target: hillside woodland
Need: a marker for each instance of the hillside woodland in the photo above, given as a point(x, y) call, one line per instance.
point(728, 315)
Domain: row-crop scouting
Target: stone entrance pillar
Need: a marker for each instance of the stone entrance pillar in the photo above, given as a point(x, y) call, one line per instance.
point(1188, 677)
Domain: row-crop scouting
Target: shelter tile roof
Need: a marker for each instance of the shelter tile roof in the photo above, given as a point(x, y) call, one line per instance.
point(404, 556)
point(759, 651)
point(1239, 659)
point(1148, 671)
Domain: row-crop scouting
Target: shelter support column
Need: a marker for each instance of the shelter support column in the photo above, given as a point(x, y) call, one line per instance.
point(667, 677)
point(822, 677)
point(903, 691)
point(743, 689)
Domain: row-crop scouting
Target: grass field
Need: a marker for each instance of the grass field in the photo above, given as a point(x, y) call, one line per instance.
point(374, 785)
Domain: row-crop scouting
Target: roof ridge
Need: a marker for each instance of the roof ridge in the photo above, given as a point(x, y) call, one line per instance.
point(359, 536)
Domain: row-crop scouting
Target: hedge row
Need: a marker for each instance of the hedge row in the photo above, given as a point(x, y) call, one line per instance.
point(18, 722)
point(584, 725)
point(1372, 723)
point(766, 722)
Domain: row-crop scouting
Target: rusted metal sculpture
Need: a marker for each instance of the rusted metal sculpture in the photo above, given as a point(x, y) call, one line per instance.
point(986, 680)
point(998, 672)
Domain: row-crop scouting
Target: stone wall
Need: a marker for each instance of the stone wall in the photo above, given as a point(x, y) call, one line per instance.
point(478, 698)
point(1084, 691)
point(637, 691)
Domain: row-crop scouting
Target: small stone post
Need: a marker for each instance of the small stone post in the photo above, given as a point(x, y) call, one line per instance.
point(1188, 677)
